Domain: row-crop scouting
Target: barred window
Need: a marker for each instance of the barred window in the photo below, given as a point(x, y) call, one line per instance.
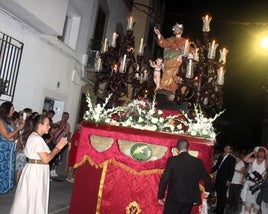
point(10, 57)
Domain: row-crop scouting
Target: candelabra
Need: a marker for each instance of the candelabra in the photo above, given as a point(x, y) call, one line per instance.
point(201, 77)
point(119, 70)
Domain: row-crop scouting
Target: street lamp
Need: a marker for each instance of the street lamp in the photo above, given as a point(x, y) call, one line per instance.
point(264, 42)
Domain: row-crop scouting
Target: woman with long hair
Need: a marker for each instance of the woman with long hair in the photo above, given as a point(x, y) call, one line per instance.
point(32, 193)
point(8, 136)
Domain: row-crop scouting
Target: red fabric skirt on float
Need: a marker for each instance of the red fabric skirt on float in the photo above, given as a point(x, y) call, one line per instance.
point(111, 178)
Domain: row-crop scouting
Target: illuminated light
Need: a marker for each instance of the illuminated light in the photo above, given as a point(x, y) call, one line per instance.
point(264, 42)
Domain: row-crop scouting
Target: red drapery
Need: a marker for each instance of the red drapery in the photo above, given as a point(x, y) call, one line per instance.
point(112, 180)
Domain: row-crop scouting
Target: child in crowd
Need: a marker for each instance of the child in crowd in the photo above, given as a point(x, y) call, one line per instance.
point(158, 65)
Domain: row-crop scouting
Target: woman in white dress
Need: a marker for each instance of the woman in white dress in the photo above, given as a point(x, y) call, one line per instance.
point(32, 193)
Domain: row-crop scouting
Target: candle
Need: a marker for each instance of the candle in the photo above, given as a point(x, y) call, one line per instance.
point(130, 23)
point(206, 20)
point(189, 69)
point(115, 35)
point(205, 101)
point(104, 49)
point(123, 64)
point(220, 77)
point(145, 75)
point(99, 63)
point(223, 53)
point(212, 49)
point(141, 47)
point(115, 69)
point(186, 48)
point(196, 55)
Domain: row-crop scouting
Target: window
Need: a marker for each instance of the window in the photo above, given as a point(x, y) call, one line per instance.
point(70, 31)
point(95, 43)
point(10, 57)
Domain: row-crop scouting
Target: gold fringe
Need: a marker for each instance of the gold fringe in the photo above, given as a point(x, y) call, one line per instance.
point(103, 174)
point(121, 165)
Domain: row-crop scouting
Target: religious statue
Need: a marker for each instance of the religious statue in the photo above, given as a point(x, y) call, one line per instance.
point(174, 48)
point(158, 65)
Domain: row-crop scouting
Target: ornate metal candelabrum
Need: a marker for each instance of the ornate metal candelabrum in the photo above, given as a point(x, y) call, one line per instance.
point(201, 75)
point(120, 71)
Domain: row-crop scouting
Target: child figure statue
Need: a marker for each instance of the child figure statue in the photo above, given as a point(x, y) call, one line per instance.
point(157, 65)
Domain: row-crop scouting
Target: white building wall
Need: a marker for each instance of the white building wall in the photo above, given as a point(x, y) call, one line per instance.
point(118, 14)
point(47, 16)
point(46, 68)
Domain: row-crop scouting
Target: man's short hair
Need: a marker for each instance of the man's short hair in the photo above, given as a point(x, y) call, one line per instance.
point(227, 144)
point(51, 112)
point(182, 144)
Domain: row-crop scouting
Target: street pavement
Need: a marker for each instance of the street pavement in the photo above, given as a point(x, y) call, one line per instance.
point(60, 196)
point(59, 200)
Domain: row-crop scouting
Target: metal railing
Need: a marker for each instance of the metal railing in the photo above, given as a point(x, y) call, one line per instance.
point(10, 58)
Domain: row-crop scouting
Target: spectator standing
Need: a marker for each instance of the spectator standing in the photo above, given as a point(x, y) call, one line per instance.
point(72, 155)
point(8, 136)
point(225, 168)
point(44, 112)
point(32, 193)
point(264, 192)
point(258, 163)
point(63, 131)
point(28, 112)
point(236, 183)
point(51, 142)
point(50, 115)
point(20, 156)
point(182, 175)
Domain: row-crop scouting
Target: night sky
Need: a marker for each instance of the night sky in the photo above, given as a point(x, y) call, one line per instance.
point(236, 25)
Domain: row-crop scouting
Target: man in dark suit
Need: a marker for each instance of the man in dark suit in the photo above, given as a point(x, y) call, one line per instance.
point(225, 167)
point(182, 175)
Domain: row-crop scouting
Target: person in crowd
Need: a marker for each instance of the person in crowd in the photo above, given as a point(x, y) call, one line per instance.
point(51, 142)
point(258, 163)
point(34, 114)
point(63, 130)
point(72, 154)
point(8, 135)
point(236, 183)
point(28, 112)
point(264, 195)
point(224, 168)
point(32, 193)
point(44, 112)
point(173, 50)
point(50, 115)
point(158, 65)
point(15, 119)
point(20, 156)
point(182, 175)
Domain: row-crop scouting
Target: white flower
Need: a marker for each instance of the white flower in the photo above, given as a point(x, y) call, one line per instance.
point(161, 119)
point(160, 112)
point(142, 114)
point(154, 120)
point(193, 133)
point(141, 120)
point(204, 132)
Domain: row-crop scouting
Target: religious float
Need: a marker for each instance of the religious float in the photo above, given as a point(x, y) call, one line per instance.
point(123, 148)
point(122, 153)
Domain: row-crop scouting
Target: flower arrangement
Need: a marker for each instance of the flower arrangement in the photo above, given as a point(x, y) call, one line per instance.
point(200, 126)
point(142, 114)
